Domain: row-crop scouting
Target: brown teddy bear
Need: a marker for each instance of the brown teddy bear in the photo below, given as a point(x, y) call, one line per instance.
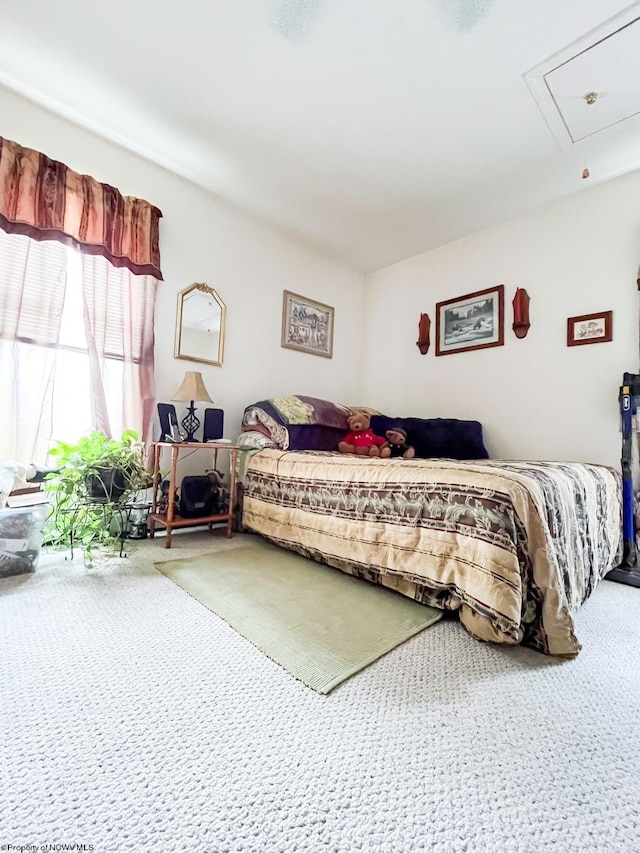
point(361, 439)
point(398, 446)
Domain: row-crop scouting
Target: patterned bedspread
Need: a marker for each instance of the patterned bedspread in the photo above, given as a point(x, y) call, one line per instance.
point(516, 547)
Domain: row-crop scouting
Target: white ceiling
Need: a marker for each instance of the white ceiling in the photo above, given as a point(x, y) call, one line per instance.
point(372, 129)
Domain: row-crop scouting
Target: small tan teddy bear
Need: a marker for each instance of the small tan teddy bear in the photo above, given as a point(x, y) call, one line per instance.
point(361, 439)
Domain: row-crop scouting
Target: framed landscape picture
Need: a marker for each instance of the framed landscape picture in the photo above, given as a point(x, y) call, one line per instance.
point(473, 321)
point(590, 329)
point(307, 325)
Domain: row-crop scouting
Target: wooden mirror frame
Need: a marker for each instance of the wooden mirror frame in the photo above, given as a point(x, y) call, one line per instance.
point(182, 295)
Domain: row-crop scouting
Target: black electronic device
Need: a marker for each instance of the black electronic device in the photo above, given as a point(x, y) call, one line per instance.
point(213, 424)
point(169, 430)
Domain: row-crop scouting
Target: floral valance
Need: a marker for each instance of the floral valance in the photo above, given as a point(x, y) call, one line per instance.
point(46, 200)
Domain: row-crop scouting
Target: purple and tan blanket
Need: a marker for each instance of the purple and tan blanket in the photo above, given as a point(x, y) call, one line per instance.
point(298, 423)
point(515, 547)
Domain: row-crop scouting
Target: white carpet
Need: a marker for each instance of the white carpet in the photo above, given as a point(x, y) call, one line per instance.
point(133, 719)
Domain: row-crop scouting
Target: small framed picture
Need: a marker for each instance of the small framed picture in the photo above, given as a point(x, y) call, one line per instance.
point(307, 325)
point(472, 321)
point(590, 329)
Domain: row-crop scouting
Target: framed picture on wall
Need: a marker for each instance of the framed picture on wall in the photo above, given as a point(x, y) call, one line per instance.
point(307, 325)
point(472, 321)
point(590, 329)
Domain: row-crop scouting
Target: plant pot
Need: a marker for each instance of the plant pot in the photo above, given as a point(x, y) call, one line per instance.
point(107, 484)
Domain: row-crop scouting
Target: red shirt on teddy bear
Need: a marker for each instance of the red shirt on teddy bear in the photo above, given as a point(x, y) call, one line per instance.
point(363, 438)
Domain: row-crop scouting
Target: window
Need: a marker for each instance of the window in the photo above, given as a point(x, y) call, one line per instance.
point(76, 346)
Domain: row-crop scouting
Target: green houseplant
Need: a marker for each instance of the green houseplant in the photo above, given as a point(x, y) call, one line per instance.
point(93, 482)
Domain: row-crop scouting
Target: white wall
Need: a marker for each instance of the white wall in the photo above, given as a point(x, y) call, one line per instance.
point(536, 397)
point(248, 263)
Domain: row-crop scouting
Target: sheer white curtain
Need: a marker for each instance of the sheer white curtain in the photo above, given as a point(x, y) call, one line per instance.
point(32, 293)
point(118, 318)
point(76, 347)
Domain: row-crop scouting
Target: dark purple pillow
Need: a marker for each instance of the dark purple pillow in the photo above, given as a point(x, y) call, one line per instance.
point(447, 438)
point(314, 437)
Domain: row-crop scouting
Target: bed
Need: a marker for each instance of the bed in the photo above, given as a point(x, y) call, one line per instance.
point(514, 547)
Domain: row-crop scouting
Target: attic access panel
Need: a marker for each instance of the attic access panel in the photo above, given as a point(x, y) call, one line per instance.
point(605, 61)
point(611, 69)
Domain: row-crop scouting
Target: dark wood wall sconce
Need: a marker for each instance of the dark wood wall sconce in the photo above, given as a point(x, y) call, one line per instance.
point(424, 327)
point(521, 322)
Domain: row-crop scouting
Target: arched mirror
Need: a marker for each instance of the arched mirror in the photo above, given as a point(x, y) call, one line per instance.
point(200, 325)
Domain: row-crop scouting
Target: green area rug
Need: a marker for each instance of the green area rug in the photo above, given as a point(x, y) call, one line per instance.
point(318, 623)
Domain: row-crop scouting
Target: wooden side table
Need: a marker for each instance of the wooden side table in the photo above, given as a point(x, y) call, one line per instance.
point(171, 519)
